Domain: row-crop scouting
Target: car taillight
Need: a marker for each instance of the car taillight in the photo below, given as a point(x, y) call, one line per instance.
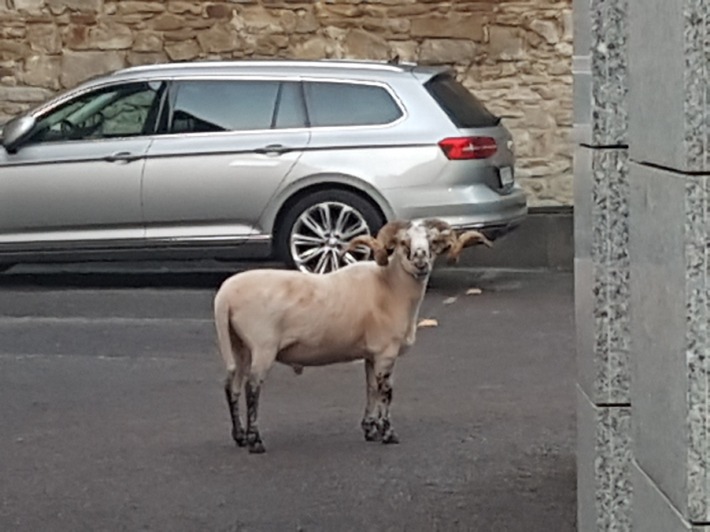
point(458, 148)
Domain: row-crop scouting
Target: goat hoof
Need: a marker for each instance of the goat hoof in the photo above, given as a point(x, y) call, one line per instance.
point(373, 435)
point(257, 448)
point(240, 438)
point(371, 430)
point(390, 437)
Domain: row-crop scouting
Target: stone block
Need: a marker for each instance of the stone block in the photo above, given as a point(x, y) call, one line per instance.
point(669, 334)
point(363, 44)
point(604, 489)
point(147, 41)
point(79, 66)
point(31, 6)
point(182, 50)
point(670, 124)
point(444, 51)
point(44, 38)
point(602, 274)
point(42, 71)
point(506, 43)
point(220, 38)
point(20, 94)
point(58, 6)
point(600, 70)
point(652, 511)
point(547, 29)
point(110, 37)
point(458, 26)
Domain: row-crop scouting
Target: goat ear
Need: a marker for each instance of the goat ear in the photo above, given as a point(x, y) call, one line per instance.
point(374, 244)
point(469, 238)
point(441, 242)
point(387, 234)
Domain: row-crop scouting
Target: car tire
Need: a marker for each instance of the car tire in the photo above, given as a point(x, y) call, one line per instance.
point(306, 240)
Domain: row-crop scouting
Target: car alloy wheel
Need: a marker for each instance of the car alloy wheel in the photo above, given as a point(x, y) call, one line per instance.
point(320, 234)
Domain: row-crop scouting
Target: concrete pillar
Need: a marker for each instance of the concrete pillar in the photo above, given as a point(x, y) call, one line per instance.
point(602, 264)
point(669, 125)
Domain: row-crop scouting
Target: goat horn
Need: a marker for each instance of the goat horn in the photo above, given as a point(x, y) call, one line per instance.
point(374, 244)
point(388, 232)
point(434, 223)
point(469, 238)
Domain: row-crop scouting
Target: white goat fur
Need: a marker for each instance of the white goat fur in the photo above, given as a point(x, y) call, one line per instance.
point(362, 311)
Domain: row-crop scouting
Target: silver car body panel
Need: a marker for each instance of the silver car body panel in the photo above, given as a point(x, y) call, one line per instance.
point(68, 191)
point(227, 188)
point(224, 188)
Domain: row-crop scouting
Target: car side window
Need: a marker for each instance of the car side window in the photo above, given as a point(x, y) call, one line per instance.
point(127, 110)
point(235, 105)
point(349, 104)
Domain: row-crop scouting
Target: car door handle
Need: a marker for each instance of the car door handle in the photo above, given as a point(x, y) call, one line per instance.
point(276, 149)
point(122, 156)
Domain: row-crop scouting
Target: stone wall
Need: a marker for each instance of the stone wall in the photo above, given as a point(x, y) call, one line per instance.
point(515, 55)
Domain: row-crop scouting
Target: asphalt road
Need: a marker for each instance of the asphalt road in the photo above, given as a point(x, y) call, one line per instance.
point(112, 414)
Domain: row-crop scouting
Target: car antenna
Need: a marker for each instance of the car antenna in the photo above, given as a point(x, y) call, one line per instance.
point(394, 60)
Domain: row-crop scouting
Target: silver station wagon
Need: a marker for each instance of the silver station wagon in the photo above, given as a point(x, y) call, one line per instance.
point(239, 160)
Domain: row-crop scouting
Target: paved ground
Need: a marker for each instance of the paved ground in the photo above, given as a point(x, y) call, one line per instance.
point(112, 414)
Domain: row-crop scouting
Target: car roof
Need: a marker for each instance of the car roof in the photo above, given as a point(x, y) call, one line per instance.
point(281, 67)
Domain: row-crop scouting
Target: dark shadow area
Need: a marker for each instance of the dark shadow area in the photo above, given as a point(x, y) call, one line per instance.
point(127, 275)
point(197, 280)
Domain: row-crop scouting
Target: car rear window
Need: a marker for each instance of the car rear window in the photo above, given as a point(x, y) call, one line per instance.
point(349, 104)
point(462, 107)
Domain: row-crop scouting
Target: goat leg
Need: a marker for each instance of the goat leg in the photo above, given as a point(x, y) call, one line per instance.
point(383, 377)
point(253, 438)
point(384, 387)
point(369, 421)
point(232, 395)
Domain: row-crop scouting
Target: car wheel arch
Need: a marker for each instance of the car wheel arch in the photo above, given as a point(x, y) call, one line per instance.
point(282, 202)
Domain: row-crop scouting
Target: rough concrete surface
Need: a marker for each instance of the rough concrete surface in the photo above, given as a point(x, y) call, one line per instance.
point(112, 415)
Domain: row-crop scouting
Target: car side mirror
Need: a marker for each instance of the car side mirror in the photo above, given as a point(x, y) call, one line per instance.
point(16, 131)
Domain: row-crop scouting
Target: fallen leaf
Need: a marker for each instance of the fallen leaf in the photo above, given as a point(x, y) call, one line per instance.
point(428, 322)
point(474, 292)
point(450, 300)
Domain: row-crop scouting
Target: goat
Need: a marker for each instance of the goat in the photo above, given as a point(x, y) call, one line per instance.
point(365, 310)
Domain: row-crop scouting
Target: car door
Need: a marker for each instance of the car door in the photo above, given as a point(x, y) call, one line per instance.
point(229, 145)
point(76, 180)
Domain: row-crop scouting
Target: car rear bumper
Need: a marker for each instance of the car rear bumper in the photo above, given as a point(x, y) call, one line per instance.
point(472, 207)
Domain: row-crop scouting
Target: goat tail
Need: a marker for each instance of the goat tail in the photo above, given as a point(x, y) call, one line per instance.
point(224, 333)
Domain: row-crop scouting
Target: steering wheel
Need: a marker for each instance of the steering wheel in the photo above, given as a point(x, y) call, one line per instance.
point(66, 127)
point(83, 130)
